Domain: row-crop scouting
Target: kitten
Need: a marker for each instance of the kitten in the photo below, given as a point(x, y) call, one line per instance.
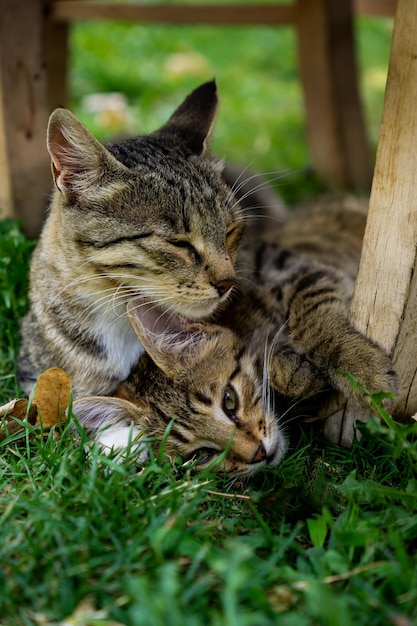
point(201, 376)
point(285, 327)
point(148, 216)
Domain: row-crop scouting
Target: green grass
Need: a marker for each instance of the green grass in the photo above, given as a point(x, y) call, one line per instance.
point(14, 283)
point(327, 538)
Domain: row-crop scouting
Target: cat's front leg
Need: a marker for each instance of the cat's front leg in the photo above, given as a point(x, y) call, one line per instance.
point(114, 423)
point(336, 348)
point(319, 327)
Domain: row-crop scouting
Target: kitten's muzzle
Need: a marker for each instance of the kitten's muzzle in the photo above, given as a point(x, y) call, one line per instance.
point(224, 285)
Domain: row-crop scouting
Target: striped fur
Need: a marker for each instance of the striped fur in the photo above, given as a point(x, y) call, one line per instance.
point(285, 329)
point(205, 380)
point(148, 216)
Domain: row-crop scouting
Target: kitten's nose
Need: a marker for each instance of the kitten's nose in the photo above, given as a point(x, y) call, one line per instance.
point(224, 285)
point(260, 454)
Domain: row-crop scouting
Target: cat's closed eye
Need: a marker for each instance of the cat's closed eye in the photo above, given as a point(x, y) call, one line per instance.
point(186, 245)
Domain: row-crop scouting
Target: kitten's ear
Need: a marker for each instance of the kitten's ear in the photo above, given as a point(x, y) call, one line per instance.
point(194, 119)
point(77, 156)
point(114, 423)
point(171, 342)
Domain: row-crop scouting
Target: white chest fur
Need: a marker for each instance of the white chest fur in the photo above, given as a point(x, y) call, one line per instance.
point(119, 341)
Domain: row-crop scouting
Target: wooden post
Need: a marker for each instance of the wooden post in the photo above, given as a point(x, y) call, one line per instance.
point(25, 178)
point(335, 125)
point(384, 304)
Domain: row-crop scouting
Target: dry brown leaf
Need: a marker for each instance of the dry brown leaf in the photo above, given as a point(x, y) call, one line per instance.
point(51, 396)
point(16, 409)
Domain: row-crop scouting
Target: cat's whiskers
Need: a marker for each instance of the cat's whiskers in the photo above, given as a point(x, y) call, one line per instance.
point(77, 281)
point(88, 279)
point(156, 304)
point(265, 184)
point(123, 314)
point(242, 278)
point(112, 301)
point(269, 348)
point(253, 190)
point(240, 181)
point(246, 214)
point(266, 388)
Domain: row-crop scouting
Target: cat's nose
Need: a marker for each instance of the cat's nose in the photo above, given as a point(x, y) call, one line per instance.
point(260, 454)
point(223, 285)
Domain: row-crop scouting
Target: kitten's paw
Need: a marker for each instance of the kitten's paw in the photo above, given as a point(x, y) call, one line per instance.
point(294, 376)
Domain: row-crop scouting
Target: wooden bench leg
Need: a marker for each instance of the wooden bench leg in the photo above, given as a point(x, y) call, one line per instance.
point(384, 304)
point(335, 125)
point(25, 179)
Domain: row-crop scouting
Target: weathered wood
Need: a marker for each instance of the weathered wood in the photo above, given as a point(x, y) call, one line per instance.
point(384, 304)
point(68, 10)
point(335, 125)
point(382, 8)
point(24, 160)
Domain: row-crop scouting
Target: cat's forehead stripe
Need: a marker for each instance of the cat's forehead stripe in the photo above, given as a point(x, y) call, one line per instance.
point(203, 399)
point(184, 209)
point(238, 367)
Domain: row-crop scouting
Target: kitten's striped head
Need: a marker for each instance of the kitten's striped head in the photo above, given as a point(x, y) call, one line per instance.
point(149, 216)
point(202, 376)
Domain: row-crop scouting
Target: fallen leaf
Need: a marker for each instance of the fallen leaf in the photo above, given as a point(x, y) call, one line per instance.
point(51, 396)
point(19, 409)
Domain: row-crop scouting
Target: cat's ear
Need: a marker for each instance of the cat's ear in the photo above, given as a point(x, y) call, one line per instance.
point(77, 156)
point(172, 342)
point(194, 119)
point(115, 423)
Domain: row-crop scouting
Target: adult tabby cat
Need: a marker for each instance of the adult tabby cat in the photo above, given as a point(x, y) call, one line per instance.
point(285, 327)
point(149, 216)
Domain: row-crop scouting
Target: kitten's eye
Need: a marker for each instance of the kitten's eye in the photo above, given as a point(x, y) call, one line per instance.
point(230, 402)
point(204, 455)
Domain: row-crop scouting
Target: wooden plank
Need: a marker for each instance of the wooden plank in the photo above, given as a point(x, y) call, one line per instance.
point(268, 14)
point(335, 125)
point(381, 8)
point(384, 304)
point(69, 10)
point(24, 160)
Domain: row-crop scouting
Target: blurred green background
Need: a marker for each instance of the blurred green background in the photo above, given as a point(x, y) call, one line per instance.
point(261, 121)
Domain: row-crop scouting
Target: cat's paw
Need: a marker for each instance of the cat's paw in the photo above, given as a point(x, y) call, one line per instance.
point(294, 376)
point(368, 363)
